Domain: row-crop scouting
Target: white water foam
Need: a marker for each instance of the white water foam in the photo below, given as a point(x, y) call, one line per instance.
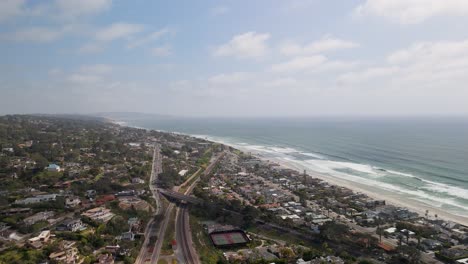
point(313, 155)
point(334, 169)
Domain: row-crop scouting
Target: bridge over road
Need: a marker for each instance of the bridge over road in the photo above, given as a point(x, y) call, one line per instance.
point(180, 197)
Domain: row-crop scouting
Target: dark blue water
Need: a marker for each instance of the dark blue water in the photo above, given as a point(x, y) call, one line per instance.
point(425, 159)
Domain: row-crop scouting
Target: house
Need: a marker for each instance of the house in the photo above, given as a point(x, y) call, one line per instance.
point(127, 203)
point(37, 199)
point(72, 201)
point(14, 211)
point(134, 223)
point(68, 255)
point(72, 225)
point(42, 238)
point(105, 259)
point(126, 193)
point(183, 172)
point(128, 236)
point(104, 199)
point(138, 181)
point(53, 168)
point(390, 230)
point(99, 214)
point(41, 216)
point(432, 244)
point(91, 194)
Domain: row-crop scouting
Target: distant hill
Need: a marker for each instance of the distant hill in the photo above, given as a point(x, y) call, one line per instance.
point(74, 117)
point(131, 116)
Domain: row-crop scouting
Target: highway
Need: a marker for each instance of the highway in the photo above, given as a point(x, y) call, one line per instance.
point(184, 237)
point(162, 232)
point(152, 227)
point(183, 232)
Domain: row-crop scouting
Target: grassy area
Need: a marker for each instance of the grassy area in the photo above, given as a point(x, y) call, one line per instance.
point(192, 180)
point(169, 235)
point(162, 261)
point(207, 252)
point(276, 235)
point(204, 160)
point(99, 176)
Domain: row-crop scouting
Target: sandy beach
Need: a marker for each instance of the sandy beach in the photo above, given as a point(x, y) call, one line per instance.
point(390, 198)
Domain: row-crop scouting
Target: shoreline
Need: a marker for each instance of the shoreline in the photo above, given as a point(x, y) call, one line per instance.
point(417, 207)
point(413, 206)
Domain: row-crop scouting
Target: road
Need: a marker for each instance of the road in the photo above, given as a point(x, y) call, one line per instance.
point(162, 232)
point(151, 227)
point(184, 237)
point(183, 232)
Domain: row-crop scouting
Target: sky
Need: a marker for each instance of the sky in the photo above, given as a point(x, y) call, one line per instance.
point(235, 58)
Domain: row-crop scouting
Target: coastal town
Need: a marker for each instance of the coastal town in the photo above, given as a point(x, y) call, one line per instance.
point(78, 189)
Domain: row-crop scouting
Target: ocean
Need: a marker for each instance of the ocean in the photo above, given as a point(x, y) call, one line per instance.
point(422, 160)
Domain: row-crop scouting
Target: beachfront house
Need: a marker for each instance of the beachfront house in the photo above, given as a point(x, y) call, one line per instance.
point(53, 168)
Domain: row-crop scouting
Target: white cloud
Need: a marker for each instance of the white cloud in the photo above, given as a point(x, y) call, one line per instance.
point(181, 86)
point(90, 74)
point(300, 64)
point(440, 65)
point(281, 82)
point(162, 51)
point(153, 36)
point(118, 31)
point(323, 45)
point(10, 9)
point(412, 11)
point(313, 64)
point(219, 10)
point(55, 72)
point(84, 78)
point(430, 52)
point(91, 47)
point(231, 78)
point(62, 9)
point(97, 69)
point(367, 74)
point(39, 34)
point(111, 33)
point(247, 45)
point(75, 8)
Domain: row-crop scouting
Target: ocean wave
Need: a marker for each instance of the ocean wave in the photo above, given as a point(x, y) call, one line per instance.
point(429, 198)
point(438, 187)
point(428, 193)
point(447, 190)
point(402, 174)
point(342, 165)
point(313, 155)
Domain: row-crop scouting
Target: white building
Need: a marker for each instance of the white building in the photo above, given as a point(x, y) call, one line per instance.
point(37, 199)
point(72, 201)
point(53, 168)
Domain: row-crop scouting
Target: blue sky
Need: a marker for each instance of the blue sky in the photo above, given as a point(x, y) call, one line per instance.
point(235, 58)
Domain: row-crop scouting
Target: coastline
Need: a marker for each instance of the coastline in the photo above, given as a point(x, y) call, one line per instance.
point(419, 208)
point(390, 198)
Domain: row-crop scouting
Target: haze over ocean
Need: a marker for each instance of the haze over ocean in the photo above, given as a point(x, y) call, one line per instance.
point(422, 159)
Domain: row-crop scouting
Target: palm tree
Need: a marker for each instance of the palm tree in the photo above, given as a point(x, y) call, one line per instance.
point(380, 232)
point(418, 237)
point(400, 239)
